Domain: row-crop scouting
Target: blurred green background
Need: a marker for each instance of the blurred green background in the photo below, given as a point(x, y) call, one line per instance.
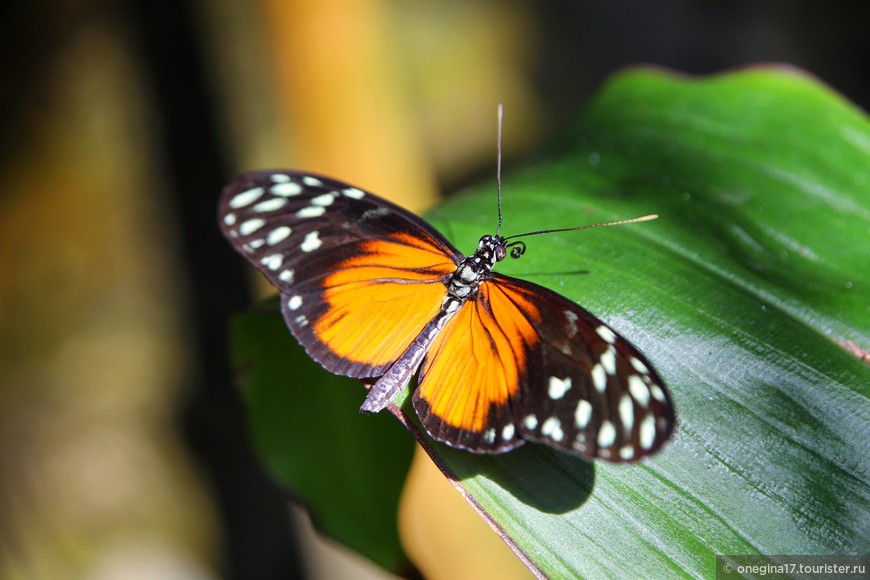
point(123, 444)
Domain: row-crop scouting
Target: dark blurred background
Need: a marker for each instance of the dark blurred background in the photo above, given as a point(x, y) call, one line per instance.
point(123, 448)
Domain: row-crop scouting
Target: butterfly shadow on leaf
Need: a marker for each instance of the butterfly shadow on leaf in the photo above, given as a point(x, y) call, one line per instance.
point(539, 477)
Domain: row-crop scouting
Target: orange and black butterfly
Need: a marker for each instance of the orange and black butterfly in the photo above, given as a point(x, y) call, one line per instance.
point(373, 291)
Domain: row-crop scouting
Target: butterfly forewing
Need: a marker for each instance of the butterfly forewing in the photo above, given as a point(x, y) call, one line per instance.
point(359, 277)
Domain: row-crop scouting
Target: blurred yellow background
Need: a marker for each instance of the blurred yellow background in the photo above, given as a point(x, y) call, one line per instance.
point(123, 451)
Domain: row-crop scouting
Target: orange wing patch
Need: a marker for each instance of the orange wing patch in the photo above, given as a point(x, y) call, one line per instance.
point(379, 300)
point(478, 359)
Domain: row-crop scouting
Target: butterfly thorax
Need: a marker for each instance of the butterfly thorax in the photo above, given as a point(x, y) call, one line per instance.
point(476, 268)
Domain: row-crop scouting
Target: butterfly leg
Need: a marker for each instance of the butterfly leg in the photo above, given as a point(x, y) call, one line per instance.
point(398, 375)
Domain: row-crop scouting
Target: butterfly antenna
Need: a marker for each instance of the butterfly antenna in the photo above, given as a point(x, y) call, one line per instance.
point(498, 167)
point(519, 248)
point(644, 218)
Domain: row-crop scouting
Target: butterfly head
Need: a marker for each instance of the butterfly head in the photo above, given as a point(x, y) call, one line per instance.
point(491, 249)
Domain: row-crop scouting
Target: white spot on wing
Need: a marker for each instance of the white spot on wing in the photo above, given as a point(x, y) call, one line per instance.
point(279, 234)
point(295, 302)
point(638, 390)
point(249, 227)
point(301, 320)
point(287, 189)
point(323, 200)
point(230, 219)
point(583, 413)
point(246, 197)
point(508, 432)
point(608, 360)
point(626, 452)
point(273, 262)
point(606, 434)
point(254, 244)
point(489, 435)
point(311, 181)
point(638, 366)
point(571, 317)
point(647, 432)
point(599, 378)
point(270, 204)
point(280, 178)
point(375, 213)
point(558, 387)
point(552, 428)
point(354, 193)
point(311, 242)
point(311, 211)
point(286, 275)
point(626, 412)
point(606, 334)
point(657, 393)
point(530, 422)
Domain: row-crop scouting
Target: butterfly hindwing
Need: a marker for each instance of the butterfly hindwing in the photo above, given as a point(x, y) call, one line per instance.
point(359, 277)
point(588, 390)
point(524, 363)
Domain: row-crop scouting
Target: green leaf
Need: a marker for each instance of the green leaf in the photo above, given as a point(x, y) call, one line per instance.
point(751, 296)
point(347, 469)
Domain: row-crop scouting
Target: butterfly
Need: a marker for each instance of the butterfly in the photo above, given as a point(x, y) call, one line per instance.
point(371, 290)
